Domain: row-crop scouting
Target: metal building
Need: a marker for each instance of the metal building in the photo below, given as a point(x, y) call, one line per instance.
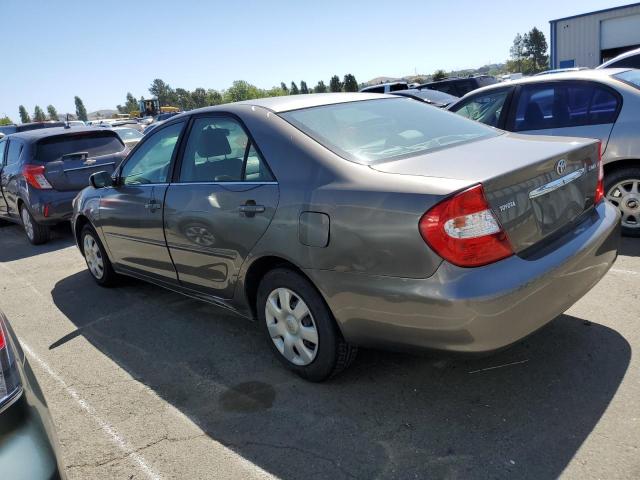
point(589, 39)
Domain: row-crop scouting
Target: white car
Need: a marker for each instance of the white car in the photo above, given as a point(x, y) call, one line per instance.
point(630, 59)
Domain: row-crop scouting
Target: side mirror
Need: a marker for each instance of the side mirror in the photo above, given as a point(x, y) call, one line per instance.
point(101, 180)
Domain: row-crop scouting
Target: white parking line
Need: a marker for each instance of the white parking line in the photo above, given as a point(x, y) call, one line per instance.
point(111, 432)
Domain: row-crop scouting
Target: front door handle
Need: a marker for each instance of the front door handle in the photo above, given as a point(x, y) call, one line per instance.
point(153, 205)
point(250, 208)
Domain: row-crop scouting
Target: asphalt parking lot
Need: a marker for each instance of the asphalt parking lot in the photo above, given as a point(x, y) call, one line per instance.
point(146, 383)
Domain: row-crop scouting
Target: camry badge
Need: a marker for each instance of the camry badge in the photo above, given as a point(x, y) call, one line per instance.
point(561, 166)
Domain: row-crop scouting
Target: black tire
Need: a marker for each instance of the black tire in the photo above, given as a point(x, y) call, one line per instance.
point(36, 233)
point(332, 353)
point(616, 177)
point(109, 277)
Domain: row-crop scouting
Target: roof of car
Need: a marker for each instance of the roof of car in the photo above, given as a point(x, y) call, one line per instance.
point(630, 53)
point(295, 102)
point(604, 74)
point(32, 135)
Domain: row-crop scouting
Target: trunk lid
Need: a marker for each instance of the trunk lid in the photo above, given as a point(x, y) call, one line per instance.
point(70, 159)
point(534, 185)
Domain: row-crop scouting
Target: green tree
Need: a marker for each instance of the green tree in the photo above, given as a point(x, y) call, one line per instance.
point(303, 87)
point(275, 92)
point(294, 89)
point(24, 116)
point(81, 112)
point(184, 100)
point(5, 121)
point(241, 90)
point(517, 53)
point(334, 84)
point(320, 87)
point(438, 75)
point(350, 83)
point(214, 97)
point(284, 88)
point(131, 105)
point(53, 113)
point(535, 46)
point(38, 114)
point(163, 92)
point(199, 98)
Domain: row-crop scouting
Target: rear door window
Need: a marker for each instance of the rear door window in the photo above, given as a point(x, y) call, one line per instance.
point(630, 77)
point(629, 62)
point(563, 105)
point(3, 147)
point(94, 143)
point(485, 108)
point(14, 152)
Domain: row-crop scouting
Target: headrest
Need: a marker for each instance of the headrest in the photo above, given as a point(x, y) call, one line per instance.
point(213, 142)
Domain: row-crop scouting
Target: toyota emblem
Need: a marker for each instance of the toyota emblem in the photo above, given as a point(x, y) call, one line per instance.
point(561, 166)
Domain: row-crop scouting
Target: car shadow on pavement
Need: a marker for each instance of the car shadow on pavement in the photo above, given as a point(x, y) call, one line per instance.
point(523, 412)
point(15, 245)
point(630, 247)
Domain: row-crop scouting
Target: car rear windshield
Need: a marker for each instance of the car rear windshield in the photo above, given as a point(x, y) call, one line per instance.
point(373, 131)
point(632, 77)
point(94, 143)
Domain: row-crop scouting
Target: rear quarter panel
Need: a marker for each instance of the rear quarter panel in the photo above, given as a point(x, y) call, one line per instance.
point(624, 141)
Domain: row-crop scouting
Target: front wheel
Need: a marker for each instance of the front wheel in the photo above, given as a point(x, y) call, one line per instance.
point(96, 257)
point(37, 234)
point(300, 327)
point(623, 190)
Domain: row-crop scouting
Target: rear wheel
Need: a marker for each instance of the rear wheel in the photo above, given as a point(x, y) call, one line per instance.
point(96, 258)
point(623, 190)
point(300, 327)
point(36, 233)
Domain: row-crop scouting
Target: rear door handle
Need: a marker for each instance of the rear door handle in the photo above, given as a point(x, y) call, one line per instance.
point(250, 209)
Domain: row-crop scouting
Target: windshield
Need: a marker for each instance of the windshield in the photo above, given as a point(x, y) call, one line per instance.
point(94, 143)
point(373, 131)
point(128, 134)
point(434, 96)
point(632, 77)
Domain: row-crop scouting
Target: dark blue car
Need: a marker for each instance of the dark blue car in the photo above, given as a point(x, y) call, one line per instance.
point(41, 172)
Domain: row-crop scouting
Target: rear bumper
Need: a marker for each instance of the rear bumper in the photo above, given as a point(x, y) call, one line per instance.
point(474, 309)
point(50, 206)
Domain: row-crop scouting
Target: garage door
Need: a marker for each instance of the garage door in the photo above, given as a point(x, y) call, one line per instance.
point(620, 32)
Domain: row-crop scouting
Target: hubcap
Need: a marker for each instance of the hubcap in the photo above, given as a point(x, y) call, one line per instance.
point(26, 222)
point(93, 256)
point(291, 326)
point(626, 196)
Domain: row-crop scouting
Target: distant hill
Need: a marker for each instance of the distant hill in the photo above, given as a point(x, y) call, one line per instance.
point(106, 113)
point(491, 69)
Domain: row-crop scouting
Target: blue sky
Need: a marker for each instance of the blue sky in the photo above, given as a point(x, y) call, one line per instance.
point(100, 50)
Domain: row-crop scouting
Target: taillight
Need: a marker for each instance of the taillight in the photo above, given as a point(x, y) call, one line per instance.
point(599, 195)
point(9, 376)
point(464, 230)
point(34, 174)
